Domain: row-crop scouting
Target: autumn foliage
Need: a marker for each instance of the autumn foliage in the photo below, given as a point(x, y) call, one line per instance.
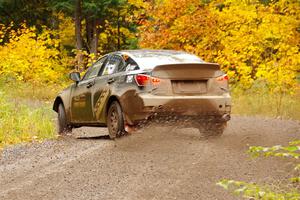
point(28, 56)
point(252, 40)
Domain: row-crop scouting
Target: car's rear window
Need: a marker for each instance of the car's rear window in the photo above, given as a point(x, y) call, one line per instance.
point(151, 60)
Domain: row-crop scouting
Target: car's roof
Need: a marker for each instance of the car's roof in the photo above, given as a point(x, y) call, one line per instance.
point(148, 59)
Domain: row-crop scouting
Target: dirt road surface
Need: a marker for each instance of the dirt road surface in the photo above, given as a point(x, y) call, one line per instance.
point(159, 163)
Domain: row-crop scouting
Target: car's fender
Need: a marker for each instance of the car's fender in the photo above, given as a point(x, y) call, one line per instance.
point(64, 97)
point(127, 99)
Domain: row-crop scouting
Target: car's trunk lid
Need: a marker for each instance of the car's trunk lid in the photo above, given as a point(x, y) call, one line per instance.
point(192, 71)
point(187, 79)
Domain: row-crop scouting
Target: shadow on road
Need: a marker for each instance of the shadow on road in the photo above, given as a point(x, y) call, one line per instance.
point(100, 137)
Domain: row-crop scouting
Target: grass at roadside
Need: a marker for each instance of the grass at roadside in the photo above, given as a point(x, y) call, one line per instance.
point(23, 123)
point(265, 104)
point(26, 113)
point(29, 91)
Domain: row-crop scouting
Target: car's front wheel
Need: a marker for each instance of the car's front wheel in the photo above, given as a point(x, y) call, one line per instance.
point(62, 123)
point(115, 120)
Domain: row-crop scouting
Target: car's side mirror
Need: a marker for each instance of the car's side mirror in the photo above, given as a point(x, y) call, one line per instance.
point(75, 76)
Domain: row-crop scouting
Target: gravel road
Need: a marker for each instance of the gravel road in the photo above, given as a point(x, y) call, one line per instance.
point(159, 163)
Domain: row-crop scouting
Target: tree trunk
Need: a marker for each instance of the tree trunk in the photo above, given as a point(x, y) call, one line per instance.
point(89, 32)
point(79, 41)
point(95, 39)
point(118, 23)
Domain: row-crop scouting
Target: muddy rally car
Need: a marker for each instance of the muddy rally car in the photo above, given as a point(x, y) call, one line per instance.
point(124, 89)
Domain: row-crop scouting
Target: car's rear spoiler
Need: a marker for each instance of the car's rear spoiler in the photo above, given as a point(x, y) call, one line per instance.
point(189, 71)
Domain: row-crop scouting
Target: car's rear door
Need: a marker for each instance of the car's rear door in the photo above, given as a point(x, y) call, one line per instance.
point(108, 77)
point(81, 101)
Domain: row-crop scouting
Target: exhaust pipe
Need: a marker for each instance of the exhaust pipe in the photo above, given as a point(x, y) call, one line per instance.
point(226, 117)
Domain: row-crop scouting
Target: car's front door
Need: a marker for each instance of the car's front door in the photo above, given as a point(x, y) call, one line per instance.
point(81, 101)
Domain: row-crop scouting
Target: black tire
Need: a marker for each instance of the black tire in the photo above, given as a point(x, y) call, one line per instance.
point(62, 123)
point(212, 129)
point(115, 120)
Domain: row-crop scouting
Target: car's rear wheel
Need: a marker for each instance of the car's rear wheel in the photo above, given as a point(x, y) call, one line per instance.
point(115, 120)
point(212, 129)
point(62, 123)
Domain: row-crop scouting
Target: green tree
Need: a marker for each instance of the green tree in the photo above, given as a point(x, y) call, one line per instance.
point(34, 12)
point(100, 26)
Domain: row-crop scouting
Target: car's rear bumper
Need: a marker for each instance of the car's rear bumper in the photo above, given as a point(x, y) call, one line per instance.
point(217, 107)
point(155, 100)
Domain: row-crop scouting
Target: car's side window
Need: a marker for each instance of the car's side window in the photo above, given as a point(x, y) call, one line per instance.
point(94, 69)
point(130, 64)
point(114, 64)
point(87, 73)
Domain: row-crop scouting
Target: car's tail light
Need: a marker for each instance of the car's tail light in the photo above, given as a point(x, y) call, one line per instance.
point(155, 81)
point(223, 82)
point(143, 80)
point(223, 78)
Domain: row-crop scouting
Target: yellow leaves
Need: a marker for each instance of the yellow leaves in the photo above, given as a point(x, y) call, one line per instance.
point(31, 57)
point(66, 29)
